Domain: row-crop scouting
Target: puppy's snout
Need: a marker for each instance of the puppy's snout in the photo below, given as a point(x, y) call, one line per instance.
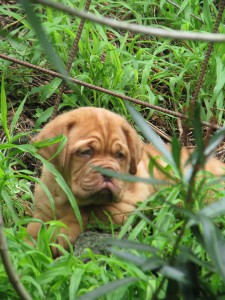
point(107, 178)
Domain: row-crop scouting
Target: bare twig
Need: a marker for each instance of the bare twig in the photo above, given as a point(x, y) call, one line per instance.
point(160, 132)
point(146, 30)
point(207, 56)
point(14, 23)
point(13, 277)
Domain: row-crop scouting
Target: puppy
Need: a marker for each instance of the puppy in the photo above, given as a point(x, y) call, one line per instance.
point(96, 138)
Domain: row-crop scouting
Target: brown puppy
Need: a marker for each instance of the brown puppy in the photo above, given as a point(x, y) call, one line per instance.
point(99, 138)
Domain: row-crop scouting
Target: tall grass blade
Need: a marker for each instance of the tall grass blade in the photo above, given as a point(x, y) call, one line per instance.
point(127, 177)
point(41, 35)
point(150, 134)
point(174, 273)
point(17, 115)
point(60, 180)
point(215, 209)
point(58, 177)
point(62, 139)
point(214, 141)
point(214, 244)
point(4, 109)
point(9, 203)
point(46, 45)
point(107, 288)
point(132, 245)
point(75, 282)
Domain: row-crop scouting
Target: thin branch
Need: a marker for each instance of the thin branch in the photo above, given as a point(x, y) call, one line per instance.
point(147, 30)
point(13, 277)
point(160, 132)
point(207, 57)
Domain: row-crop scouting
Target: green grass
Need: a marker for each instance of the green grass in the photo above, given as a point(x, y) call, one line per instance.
point(175, 250)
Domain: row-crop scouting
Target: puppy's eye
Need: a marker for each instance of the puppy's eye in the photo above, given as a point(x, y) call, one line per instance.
point(86, 152)
point(120, 155)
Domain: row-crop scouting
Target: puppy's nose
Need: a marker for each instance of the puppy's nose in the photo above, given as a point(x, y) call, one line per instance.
point(106, 178)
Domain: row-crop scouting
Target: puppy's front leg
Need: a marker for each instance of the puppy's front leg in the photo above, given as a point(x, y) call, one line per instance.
point(72, 230)
point(117, 212)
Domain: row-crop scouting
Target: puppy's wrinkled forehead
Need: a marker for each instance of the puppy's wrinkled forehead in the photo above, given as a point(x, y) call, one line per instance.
point(99, 125)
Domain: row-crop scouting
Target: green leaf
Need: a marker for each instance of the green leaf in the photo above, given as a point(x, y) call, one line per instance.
point(21, 137)
point(176, 151)
point(4, 109)
point(125, 256)
point(43, 117)
point(107, 288)
point(214, 141)
point(48, 194)
point(153, 263)
point(36, 24)
point(43, 241)
point(60, 180)
point(173, 273)
point(150, 134)
point(127, 177)
point(184, 4)
point(17, 115)
point(47, 46)
point(131, 245)
point(220, 78)
point(207, 15)
point(58, 177)
point(9, 203)
point(75, 281)
point(48, 142)
point(62, 139)
point(47, 90)
point(34, 284)
point(214, 244)
point(215, 209)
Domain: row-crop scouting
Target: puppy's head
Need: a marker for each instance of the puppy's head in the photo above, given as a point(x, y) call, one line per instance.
point(96, 138)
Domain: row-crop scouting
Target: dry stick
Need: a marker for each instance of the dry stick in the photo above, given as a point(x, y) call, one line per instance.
point(68, 67)
point(207, 56)
point(14, 23)
point(103, 90)
point(147, 30)
point(160, 132)
point(12, 275)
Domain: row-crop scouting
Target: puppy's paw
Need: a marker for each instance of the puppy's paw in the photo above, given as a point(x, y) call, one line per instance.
point(63, 242)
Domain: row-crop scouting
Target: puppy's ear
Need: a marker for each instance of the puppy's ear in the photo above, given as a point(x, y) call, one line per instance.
point(60, 125)
point(135, 146)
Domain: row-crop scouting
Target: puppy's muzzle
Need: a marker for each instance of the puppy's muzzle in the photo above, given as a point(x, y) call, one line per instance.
point(106, 178)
